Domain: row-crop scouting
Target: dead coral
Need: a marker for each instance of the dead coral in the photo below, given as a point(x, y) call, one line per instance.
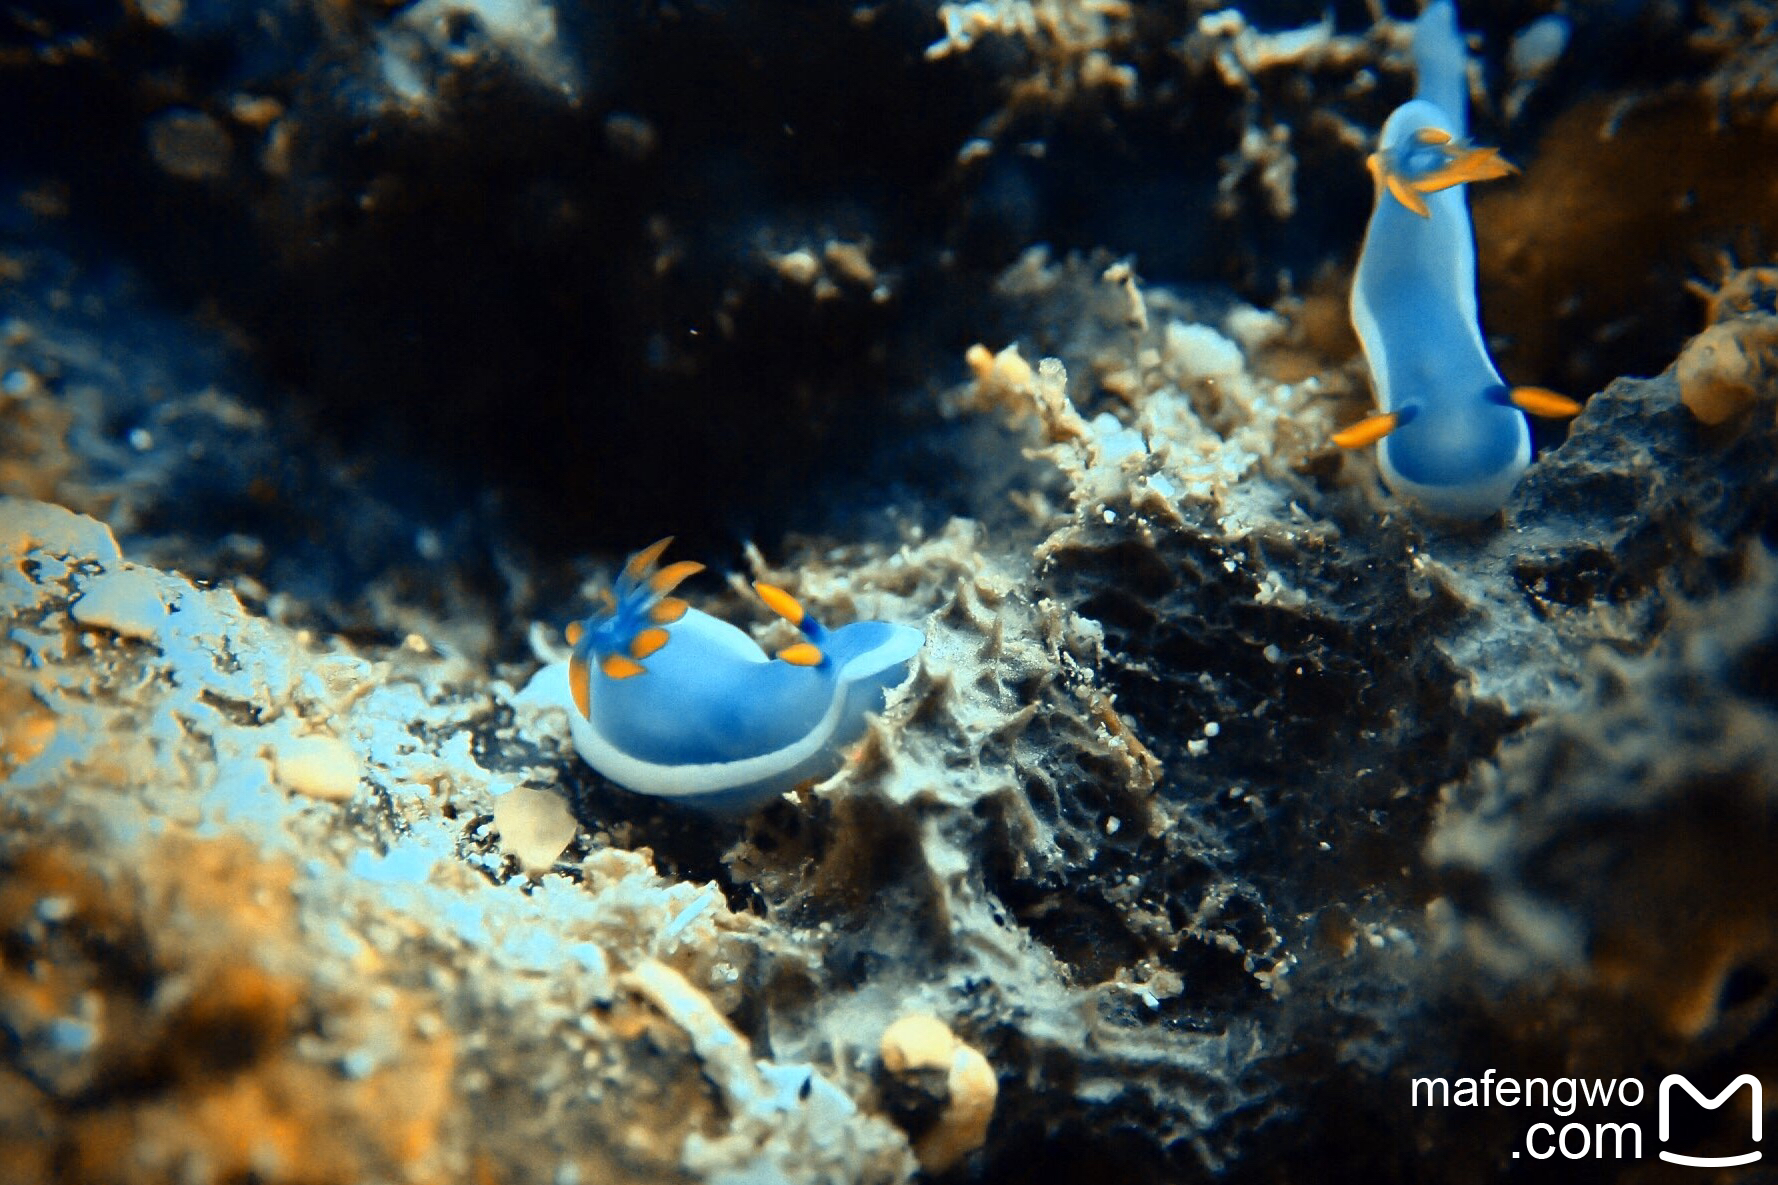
point(1734, 362)
point(1627, 842)
point(1743, 36)
point(1071, 49)
point(398, 977)
point(156, 1050)
point(1284, 650)
point(1224, 47)
point(1193, 410)
point(1094, 752)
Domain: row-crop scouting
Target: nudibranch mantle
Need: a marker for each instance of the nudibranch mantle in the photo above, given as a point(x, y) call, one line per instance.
point(1454, 437)
point(669, 701)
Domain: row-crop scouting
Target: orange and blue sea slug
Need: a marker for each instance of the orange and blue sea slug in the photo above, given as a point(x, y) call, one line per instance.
point(1453, 434)
point(669, 701)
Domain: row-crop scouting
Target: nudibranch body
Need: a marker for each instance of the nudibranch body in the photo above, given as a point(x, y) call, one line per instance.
point(669, 701)
point(1454, 437)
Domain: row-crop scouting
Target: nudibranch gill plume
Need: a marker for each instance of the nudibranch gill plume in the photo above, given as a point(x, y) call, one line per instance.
point(669, 701)
point(1454, 436)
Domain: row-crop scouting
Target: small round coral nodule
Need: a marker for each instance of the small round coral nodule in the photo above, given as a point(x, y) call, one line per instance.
point(668, 701)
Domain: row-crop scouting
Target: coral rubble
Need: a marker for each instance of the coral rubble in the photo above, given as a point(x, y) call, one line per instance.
point(345, 351)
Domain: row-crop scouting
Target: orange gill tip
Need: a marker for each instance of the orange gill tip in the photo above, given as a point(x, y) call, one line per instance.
point(783, 604)
point(574, 633)
point(1373, 164)
point(671, 576)
point(578, 676)
point(1406, 194)
point(803, 654)
point(1432, 136)
point(648, 641)
point(645, 559)
point(608, 599)
point(668, 610)
point(1485, 164)
point(1541, 401)
point(616, 666)
point(1474, 164)
point(1368, 430)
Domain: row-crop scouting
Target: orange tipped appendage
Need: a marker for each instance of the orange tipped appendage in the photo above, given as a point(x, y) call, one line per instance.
point(648, 642)
point(1399, 189)
point(1407, 195)
point(668, 610)
point(1539, 401)
point(1463, 166)
point(647, 558)
point(671, 576)
point(781, 603)
point(616, 666)
point(578, 677)
point(1368, 430)
point(803, 654)
point(1466, 165)
point(574, 633)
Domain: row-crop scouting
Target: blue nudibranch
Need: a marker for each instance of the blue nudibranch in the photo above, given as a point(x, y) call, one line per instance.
point(1454, 437)
point(673, 702)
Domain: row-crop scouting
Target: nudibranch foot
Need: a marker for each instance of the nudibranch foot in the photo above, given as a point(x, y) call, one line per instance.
point(669, 701)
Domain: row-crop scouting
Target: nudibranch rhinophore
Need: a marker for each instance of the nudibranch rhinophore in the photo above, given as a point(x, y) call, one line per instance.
point(673, 702)
point(1454, 437)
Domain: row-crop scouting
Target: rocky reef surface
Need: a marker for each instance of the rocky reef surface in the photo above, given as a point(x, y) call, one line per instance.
point(346, 349)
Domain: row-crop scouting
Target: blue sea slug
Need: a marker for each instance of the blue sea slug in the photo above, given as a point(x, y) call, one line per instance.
point(1454, 437)
point(673, 702)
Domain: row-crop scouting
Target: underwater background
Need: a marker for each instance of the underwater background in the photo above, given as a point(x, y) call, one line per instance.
point(349, 347)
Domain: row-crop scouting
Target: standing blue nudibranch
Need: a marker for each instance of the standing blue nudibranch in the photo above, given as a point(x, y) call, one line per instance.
point(1454, 436)
point(670, 701)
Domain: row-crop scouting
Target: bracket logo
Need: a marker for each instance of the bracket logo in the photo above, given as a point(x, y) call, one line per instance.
point(1712, 1162)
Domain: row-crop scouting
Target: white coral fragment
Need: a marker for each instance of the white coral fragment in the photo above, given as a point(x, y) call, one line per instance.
point(535, 827)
